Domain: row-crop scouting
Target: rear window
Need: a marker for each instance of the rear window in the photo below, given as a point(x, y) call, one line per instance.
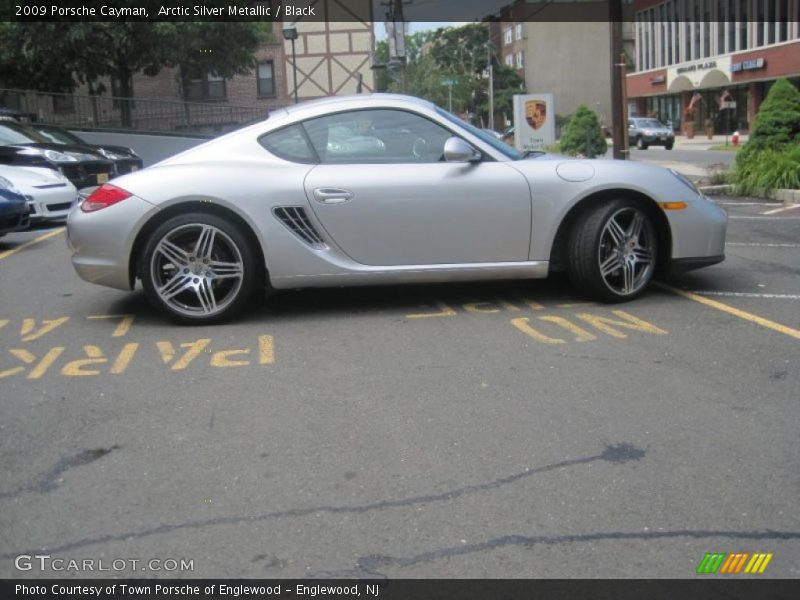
point(289, 143)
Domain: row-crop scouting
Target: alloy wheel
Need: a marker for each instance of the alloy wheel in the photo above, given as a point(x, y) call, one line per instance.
point(627, 251)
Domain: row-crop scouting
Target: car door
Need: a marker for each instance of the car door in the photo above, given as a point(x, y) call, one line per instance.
point(386, 197)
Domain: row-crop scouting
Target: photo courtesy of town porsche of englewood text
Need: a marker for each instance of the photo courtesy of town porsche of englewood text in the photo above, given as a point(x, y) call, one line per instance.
point(400, 299)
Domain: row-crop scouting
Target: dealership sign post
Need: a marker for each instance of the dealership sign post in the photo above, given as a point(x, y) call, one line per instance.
point(534, 121)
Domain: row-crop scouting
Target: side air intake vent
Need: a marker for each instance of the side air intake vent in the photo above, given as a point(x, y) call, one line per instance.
point(296, 220)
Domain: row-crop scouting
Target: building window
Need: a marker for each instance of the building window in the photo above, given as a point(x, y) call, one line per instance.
point(205, 88)
point(519, 60)
point(507, 39)
point(266, 80)
point(509, 60)
point(518, 31)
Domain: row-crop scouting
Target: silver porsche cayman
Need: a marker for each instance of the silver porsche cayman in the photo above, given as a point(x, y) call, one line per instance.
point(382, 189)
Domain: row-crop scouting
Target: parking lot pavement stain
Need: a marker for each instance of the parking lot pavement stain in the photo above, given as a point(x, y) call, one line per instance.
point(368, 566)
point(51, 479)
point(613, 453)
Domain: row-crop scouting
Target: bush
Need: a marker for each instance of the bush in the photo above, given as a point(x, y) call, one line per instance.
point(767, 170)
point(771, 157)
point(582, 134)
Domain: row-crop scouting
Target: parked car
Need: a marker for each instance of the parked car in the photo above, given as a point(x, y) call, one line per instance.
point(10, 114)
point(24, 147)
point(13, 208)
point(49, 194)
point(125, 159)
point(646, 132)
point(496, 134)
point(206, 227)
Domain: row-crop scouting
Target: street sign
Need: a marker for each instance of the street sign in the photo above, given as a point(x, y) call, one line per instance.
point(729, 104)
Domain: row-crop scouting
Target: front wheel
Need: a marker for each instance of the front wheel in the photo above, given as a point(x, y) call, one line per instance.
point(198, 268)
point(669, 145)
point(640, 143)
point(613, 250)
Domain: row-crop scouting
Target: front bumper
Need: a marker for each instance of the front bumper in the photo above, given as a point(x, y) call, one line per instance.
point(14, 219)
point(51, 204)
point(101, 241)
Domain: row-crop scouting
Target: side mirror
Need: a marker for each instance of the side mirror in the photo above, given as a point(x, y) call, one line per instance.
point(457, 150)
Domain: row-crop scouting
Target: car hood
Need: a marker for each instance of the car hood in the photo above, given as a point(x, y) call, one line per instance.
point(82, 153)
point(33, 177)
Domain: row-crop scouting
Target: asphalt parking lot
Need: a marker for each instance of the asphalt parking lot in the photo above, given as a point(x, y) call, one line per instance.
point(480, 430)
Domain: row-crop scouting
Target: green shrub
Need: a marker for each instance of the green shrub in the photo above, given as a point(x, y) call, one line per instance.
point(582, 134)
point(771, 157)
point(769, 170)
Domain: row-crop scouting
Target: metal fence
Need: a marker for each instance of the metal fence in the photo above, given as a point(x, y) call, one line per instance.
point(75, 110)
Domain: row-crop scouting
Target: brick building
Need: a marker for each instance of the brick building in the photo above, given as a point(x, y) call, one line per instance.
point(704, 61)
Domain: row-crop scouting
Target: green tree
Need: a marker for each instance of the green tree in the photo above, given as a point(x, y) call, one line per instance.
point(583, 135)
point(770, 158)
point(56, 57)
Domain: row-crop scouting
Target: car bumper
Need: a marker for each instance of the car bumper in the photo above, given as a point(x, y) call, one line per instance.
point(655, 140)
point(14, 219)
point(51, 205)
point(101, 241)
point(123, 167)
point(698, 232)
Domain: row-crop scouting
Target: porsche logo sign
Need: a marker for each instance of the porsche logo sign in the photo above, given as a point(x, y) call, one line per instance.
point(534, 121)
point(536, 113)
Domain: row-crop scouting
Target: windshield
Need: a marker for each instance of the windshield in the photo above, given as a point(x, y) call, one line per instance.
point(488, 138)
point(58, 136)
point(652, 123)
point(16, 134)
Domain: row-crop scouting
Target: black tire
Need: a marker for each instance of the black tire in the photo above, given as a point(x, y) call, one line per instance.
point(641, 144)
point(587, 249)
point(233, 249)
point(669, 145)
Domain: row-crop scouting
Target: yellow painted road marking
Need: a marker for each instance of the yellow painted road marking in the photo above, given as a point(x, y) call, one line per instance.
point(444, 311)
point(266, 350)
point(124, 325)
point(220, 359)
point(581, 335)
point(28, 331)
point(605, 324)
point(523, 324)
point(36, 240)
point(49, 358)
point(124, 358)
point(480, 307)
point(742, 314)
point(77, 368)
point(194, 349)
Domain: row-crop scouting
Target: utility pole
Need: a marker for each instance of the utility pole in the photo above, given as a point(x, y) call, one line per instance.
point(618, 108)
point(490, 70)
point(397, 45)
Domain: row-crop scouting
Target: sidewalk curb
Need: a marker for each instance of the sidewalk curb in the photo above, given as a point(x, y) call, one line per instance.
point(785, 196)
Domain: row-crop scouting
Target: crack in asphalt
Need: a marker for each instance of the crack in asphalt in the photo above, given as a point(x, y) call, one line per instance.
point(613, 453)
point(366, 566)
point(50, 480)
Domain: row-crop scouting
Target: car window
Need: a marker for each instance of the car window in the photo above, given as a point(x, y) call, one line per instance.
point(58, 136)
point(10, 134)
point(376, 136)
point(495, 143)
point(289, 143)
point(652, 123)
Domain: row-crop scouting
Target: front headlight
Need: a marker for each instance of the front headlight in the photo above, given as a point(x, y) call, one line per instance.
point(690, 184)
point(58, 157)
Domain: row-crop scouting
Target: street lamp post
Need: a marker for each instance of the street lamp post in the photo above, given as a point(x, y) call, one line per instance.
point(290, 33)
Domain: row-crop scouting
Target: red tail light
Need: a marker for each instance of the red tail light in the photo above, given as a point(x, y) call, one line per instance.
point(104, 196)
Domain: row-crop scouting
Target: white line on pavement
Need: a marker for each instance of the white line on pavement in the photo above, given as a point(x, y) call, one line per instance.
point(779, 210)
point(760, 218)
point(750, 203)
point(760, 245)
point(748, 295)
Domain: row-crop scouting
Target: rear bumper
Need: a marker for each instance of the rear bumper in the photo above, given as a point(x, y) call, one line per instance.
point(682, 265)
point(101, 241)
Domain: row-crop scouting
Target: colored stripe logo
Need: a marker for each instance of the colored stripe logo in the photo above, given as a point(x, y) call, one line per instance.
point(734, 563)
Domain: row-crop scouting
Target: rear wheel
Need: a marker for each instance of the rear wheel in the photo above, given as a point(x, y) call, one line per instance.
point(613, 251)
point(198, 268)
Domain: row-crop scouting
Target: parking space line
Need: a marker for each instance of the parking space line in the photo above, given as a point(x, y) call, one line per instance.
point(36, 240)
point(780, 210)
point(762, 245)
point(748, 295)
point(762, 218)
point(733, 311)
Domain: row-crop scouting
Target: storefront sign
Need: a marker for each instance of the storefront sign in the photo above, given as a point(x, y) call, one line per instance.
point(748, 65)
point(703, 66)
point(658, 79)
point(534, 121)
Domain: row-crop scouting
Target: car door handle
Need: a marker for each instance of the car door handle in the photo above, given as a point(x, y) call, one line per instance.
point(332, 195)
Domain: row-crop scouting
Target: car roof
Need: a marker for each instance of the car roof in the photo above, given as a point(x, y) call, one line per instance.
point(374, 99)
